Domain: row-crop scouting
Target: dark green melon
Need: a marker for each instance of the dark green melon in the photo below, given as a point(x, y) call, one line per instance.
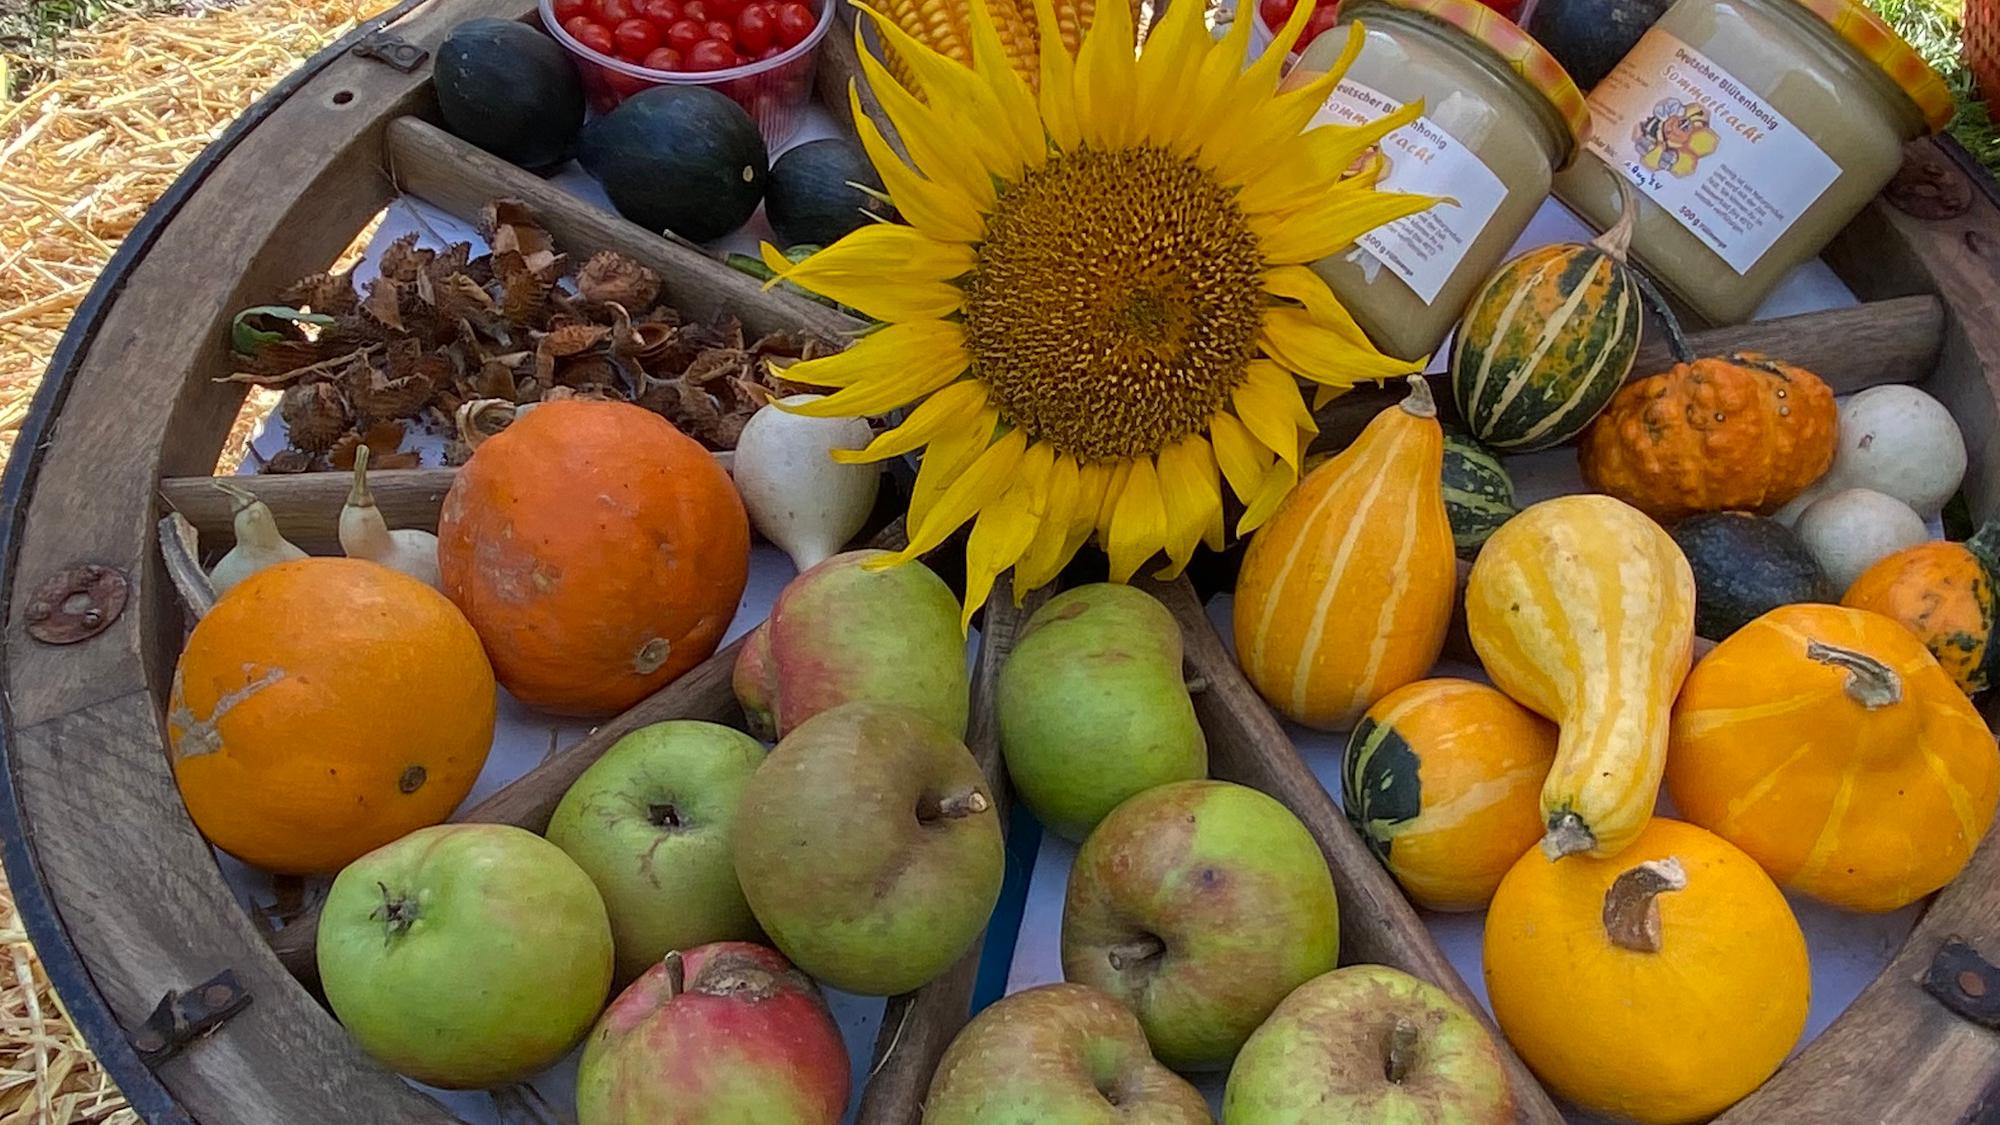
point(1379, 784)
point(1545, 344)
point(511, 90)
point(679, 158)
point(1478, 493)
point(1590, 37)
point(1744, 567)
point(813, 198)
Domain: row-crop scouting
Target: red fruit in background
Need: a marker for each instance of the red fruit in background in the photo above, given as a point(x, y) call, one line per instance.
point(684, 34)
point(611, 13)
point(770, 52)
point(567, 10)
point(696, 10)
point(663, 58)
point(723, 1032)
point(593, 35)
point(795, 22)
point(718, 29)
point(662, 12)
point(753, 29)
point(724, 10)
point(635, 39)
point(711, 54)
point(624, 85)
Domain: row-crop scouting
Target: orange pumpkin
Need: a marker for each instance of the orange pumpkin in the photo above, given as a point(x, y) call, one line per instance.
point(1345, 593)
point(1829, 744)
point(598, 550)
point(1943, 593)
point(1734, 432)
point(325, 707)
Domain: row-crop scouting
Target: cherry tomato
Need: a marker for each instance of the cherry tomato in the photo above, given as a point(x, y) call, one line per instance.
point(1274, 12)
point(770, 52)
point(711, 54)
point(684, 34)
point(635, 38)
point(663, 58)
point(625, 85)
point(753, 29)
point(591, 34)
point(661, 12)
point(696, 10)
point(724, 10)
point(567, 10)
point(795, 22)
point(611, 13)
point(720, 29)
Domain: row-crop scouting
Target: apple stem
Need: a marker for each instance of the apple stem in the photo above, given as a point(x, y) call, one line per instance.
point(958, 805)
point(397, 913)
point(1402, 1050)
point(676, 973)
point(1130, 954)
point(1632, 905)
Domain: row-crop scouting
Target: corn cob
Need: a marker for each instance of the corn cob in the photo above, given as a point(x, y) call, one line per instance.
point(945, 26)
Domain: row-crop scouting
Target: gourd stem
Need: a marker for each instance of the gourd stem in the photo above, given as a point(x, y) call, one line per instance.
point(1870, 682)
point(359, 496)
point(1567, 835)
point(1420, 403)
point(1617, 240)
point(676, 973)
point(1402, 1050)
point(1677, 341)
point(239, 498)
point(1632, 905)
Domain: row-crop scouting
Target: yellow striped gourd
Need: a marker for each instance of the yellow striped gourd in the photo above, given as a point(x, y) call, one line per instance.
point(1346, 591)
point(1582, 609)
point(1548, 340)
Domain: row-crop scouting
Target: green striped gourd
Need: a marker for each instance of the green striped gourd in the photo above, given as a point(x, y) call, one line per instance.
point(1478, 493)
point(1549, 338)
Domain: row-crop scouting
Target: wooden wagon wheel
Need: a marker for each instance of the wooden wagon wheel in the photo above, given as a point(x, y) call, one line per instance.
point(123, 898)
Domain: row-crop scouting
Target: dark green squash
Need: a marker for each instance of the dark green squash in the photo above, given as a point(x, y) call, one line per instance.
point(1744, 567)
point(679, 158)
point(511, 90)
point(1589, 37)
point(812, 198)
point(1478, 493)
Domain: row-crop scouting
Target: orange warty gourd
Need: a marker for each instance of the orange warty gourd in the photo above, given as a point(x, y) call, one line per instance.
point(1734, 432)
point(1829, 744)
point(598, 550)
point(1345, 593)
point(1943, 593)
point(323, 708)
point(1659, 986)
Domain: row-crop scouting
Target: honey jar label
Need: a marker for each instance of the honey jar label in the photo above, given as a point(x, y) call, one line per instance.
point(1705, 147)
point(1422, 249)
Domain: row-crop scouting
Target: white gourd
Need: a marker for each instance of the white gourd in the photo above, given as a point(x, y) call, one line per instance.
point(365, 534)
point(797, 496)
point(1853, 529)
point(1895, 440)
point(259, 543)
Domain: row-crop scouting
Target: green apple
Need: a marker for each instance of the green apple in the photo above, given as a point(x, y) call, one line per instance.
point(465, 955)
point(1369, 1043)
point(1061, 1054)
point(650, 823)
point(1200, 904)
point(869, 848)
point(1093, 707)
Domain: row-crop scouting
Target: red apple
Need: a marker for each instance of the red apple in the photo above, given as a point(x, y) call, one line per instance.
point(728, 1031)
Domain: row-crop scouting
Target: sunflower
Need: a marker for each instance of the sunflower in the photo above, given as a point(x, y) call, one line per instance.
point(1098, 301)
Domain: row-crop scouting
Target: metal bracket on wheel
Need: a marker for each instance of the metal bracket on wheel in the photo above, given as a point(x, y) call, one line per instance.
point(1965, 982)
point(393, 50)
point(183, 1017)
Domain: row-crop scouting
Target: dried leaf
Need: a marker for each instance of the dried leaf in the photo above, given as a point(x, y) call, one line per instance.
point(315, 415)
point(402, 260)
point(289, 461)
point(587, 370)
point(383, 304)
point(609, 278)
point(383, 440)
point(331, 293)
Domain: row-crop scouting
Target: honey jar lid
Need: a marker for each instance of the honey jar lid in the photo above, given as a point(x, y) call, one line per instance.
point(1875, 41)
point(1519, 50)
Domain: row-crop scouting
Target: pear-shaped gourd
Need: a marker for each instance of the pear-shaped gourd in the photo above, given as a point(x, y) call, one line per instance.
point(259, 543)
point(365, 534)
point(798, 496)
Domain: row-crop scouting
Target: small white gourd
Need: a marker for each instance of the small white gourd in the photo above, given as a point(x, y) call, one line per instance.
point(1895, 440)
point(797, 495)
point(259, 543)
point(1853, 529)
point(364, 534)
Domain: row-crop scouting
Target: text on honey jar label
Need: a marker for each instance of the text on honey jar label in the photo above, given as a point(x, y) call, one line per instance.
point(1422, 249)
point(1731, 169)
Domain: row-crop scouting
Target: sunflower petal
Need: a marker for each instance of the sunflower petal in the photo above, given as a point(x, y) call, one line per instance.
point(887, 270)
point(1092, 479)
point(1271, 491)
point(1114, 488)
point(1173, 51)
point(1300, 171)
point(930, 138)
point(948, 456)
point(1321, 354)
point(932, 208)
point(1045, 557)
point(1057, 91)
point(1241, 457)
point(1301, 284)
point(888, 368)
point(1006, 528)
point(1191, 497)
point(1211, 101)
point(1104, 79)
point(1324, 393)
point(1331, 222)
point(1139, 524)
point(1017, 121)
point(1275, 422)
point(977, 486)
point(953, 406)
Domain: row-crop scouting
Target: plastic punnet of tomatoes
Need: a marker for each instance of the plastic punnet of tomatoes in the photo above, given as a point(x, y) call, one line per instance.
point(759, 53)
point(1272, 14)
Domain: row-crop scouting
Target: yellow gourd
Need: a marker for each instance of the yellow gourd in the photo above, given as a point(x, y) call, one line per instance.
point(1660, 986)
point(1345, 593)
point(1582, 609)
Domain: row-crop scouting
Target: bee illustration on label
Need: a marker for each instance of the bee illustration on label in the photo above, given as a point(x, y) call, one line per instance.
point(1674, 138)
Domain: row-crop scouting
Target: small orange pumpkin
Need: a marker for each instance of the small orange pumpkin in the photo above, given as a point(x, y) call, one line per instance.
point(323, 708)
point(1829, 744)
point(598, 550)
point(1659, 985)
point(1734, 432)
point(1943, 593)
